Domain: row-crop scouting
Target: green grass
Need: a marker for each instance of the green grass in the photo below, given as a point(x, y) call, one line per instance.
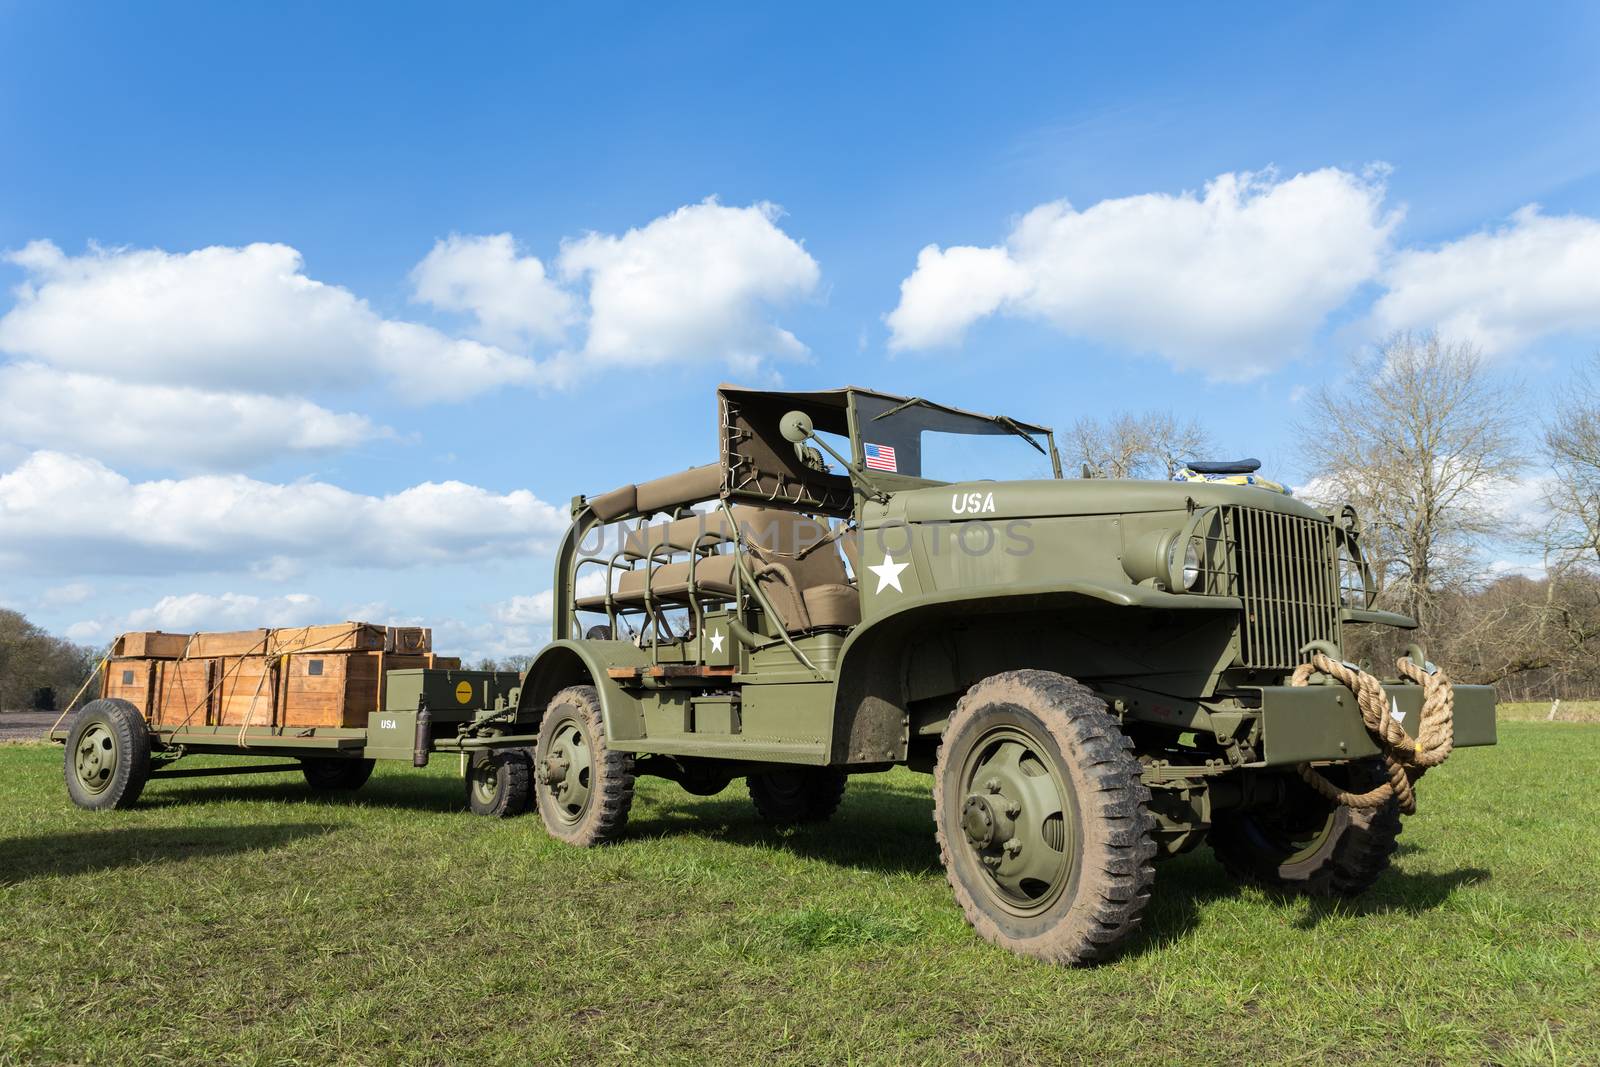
point(1539, 711)
point(241, 920)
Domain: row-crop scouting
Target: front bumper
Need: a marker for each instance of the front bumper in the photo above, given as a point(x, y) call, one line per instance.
point(1322, 722)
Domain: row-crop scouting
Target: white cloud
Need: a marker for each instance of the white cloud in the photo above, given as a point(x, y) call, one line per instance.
point(695, 285)
point(231, 318)
point(533, 609)
point(64, 595)
point(191, 612)
point(171, 425)
point(1500, 289)
point(1233, 281)
point(511, 297)
point(66, 513)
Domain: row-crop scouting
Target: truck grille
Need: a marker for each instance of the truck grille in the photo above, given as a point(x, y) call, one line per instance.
point(1288, 581)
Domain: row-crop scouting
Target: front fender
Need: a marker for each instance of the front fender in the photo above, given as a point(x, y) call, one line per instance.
point(933, 647)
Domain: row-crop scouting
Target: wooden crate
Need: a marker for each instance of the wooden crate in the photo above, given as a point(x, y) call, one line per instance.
point(339, 637)
point(188, 694)
point(247, 691)
point(331, 689)
point(152, 644)
point(408, 640)
point(234, 643)
point(133, 680)
point(316, 676)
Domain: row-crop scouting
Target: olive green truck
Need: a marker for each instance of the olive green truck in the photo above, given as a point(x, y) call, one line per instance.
point(1097, 673)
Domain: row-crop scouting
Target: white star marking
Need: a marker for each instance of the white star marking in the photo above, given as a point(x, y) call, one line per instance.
point(888, 573)
point(716, 641)
point(1394, 710)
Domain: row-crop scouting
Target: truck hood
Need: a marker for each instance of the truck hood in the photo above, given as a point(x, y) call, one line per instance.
point(1081, 496)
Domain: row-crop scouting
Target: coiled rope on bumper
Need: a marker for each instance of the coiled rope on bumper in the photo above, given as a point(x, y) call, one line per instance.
point(1405, 758)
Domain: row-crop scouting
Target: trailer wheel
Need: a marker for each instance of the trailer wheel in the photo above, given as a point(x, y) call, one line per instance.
point(500, 782)
point(1041, 818)
point(107, 756)
point(801, 795)
point(584, 789)
point(1310, 844)
point(330, 774)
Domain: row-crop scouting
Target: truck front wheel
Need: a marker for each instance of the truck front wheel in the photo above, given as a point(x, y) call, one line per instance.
point(1042, 820)
point(583, 788)
point(1309, 844)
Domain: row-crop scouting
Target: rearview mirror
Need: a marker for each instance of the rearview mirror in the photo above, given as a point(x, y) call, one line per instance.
point(796, 427)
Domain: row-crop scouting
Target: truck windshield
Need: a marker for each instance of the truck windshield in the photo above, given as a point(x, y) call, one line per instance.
point(920, 440)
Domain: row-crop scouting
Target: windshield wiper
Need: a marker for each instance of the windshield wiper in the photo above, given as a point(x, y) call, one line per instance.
point(901, 407)
point(999, 420)
point(1011, 424)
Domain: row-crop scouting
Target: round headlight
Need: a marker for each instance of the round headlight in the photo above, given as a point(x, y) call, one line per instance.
point(1191, 565)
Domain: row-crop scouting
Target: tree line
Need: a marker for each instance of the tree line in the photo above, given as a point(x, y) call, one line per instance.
point(32, 661)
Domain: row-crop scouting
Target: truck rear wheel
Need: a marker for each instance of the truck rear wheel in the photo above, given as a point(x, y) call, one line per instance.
point(798, 795)
point(584, 789)
point(1042, 820)
point(331, 774)
point(500, 782)
point(1310, 844)
point(108, 755)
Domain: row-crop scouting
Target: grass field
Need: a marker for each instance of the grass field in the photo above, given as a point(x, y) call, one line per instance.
point(1539, 711)
point(243, 921)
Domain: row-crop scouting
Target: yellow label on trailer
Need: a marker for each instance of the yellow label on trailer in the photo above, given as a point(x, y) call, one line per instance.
point(464, 693)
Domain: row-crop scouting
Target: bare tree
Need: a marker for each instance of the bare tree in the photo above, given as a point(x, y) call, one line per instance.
point(1420, 448)
point(1572, 450)
point(1152, 444)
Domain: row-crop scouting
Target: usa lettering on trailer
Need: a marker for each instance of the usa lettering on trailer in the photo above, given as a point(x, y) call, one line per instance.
point(880, 458)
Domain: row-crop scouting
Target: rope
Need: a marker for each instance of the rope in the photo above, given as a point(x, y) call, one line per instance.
point(98, 667)
point(1405, 758)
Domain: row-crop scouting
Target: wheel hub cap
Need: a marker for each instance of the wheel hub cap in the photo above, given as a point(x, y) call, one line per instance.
point(96, 758)
point(1014, 818)
point(569, 770)
point(978, 820)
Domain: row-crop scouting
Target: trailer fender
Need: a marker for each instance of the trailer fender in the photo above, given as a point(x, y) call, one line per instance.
point(565, 663)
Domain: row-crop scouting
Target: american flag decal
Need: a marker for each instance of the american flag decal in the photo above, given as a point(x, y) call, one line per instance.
point(880, 458)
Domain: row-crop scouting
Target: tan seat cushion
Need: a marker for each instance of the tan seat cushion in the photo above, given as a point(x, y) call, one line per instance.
point(713, 576)
point(833, 605)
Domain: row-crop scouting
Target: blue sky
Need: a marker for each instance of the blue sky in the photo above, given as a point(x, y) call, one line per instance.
point(323, 152)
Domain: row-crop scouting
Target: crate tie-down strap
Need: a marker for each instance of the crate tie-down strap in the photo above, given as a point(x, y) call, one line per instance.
point(98, 667)
point(1405, 758)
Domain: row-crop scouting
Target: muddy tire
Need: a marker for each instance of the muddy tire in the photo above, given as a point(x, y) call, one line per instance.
point(797, 795)
point(1310, 844)
point(499, 783)
point(107, 755)
point(583, 788)
point(1042, 818)
point(330, 774)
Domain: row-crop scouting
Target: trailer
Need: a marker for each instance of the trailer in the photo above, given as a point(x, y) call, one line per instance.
point(325, 701)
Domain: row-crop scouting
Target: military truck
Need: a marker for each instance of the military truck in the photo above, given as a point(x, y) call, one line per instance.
point(1097, 673)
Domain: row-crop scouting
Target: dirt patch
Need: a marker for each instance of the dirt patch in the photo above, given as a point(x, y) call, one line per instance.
point(25, 725)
